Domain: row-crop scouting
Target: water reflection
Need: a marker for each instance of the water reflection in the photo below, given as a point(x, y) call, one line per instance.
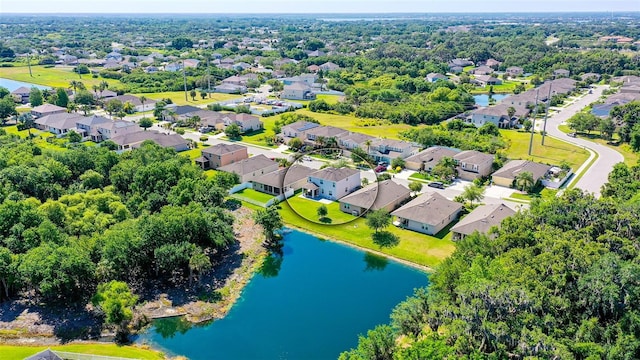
point(375, 262)
point(169, 327)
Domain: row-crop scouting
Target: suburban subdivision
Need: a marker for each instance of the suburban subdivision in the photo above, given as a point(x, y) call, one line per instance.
point(350, 183)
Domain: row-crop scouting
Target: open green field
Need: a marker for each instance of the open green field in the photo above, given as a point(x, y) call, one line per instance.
point(54, 77)
point(177, 97)
point(413, 247)
point(506, 87)
point(40, 140)
point(553, 152)
point(630, 157)
point(329, 99)
point(12, 352)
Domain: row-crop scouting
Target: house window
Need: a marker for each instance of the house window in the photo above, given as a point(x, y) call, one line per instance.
point(321, 182)
point(346, 189)
point(346, 206)
point(334, 184)
point(330, 194)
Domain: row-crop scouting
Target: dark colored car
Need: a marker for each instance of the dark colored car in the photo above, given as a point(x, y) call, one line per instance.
point(380, 168)
point(436, 184)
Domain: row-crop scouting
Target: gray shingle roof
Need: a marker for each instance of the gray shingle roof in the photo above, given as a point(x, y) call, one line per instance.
point(432, 154)
point(514, 167)
point(377, 195)
point(334, 174)
point(431, 209)
point(473, 157)
point(249, 165)
point(482, 219)
point(221, 149)
point(286, 176)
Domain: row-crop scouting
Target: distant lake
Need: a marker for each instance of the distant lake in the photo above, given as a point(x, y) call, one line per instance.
point(483, 100)
point(12, 84)
point(311, 305)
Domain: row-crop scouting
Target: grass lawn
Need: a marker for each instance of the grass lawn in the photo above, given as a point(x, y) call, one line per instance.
point(545, 193)
point(210, 173)
point(307, 208)
point(11, 352)
point(329, 99)
point(178, 97)
point(422, 177)
point(252, 195)
point(54, 77)
point(192, 154)
point(553, 152)
point(40, 138)
point(413, 247)
point(630, 157)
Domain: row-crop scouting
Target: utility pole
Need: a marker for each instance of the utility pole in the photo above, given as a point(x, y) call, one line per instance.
point(29, 64)
point(533, 125)
point(546, 114)
point(184, 77)
point(208, 77)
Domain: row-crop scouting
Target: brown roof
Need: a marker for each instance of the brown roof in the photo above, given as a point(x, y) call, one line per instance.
point(60, 120)
point(134, 100)
point(377, 195)
point(249, 165)
point(222, 148)
point(473, 157)
point(514, 167)
point(482, 219)
point(326, 131)
point(432, 154)
point(136, 138)
point(44, 108)
point(285, 176)
point(431, 209)
point(334, 174)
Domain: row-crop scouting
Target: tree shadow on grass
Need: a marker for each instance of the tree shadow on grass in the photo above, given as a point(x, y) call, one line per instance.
point(385, 239)
point(326, 220)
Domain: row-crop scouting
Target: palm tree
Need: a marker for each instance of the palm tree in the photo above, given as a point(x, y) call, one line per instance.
point(96, 88)
point(368, 144)
point(524, 181)
point(103, 85)
point(75, 85)
point(143, 99)
point(128, 107)
point(473, 192)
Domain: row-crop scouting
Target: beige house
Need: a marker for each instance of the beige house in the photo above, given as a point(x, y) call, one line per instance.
point(246, 122)
point(283, 180)
point(383, 195)
point(428, 158)
point(219, 155)
point(135, 140)
point(506, 175)
point(473, 164)
point(482, 219)
point(47, 109)
point(428, 213)
point(251, 168)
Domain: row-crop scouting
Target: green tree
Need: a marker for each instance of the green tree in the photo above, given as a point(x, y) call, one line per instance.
point(116, 300)
point(75, 85)
point(473, 192)
point(128, 107)
point(378, 219)
point(159, 110)
point(233, 131)
point(7, 108)
point(524, 181)
point(62, 99)
point(379, 344)
point(199, 263)
point(415, 186)
point(635, 138)
point(322, 211)
point(295, 144)
point(35, 97)
point(143, 100)
point(145, 123)
point(193, 95)
point(511, 111)
point(92, 179)
point(445, 169)
point(83, 97)
point(271, 222)
point(7, 272)
point(607, 127)
point(397, 163)
point(113, 106)
point(74, 137)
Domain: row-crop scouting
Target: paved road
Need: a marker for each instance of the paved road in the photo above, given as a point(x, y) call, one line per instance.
point(597, 174)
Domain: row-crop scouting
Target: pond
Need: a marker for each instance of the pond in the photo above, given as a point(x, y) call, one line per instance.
point(311, 303)
point(483, 99)
point(13, 84)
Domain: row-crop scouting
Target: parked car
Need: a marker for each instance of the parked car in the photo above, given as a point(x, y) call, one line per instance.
point(436, 184)
point(571, 134)
point(380, 168)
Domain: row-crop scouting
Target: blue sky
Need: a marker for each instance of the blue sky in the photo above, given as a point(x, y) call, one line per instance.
point(310, 6)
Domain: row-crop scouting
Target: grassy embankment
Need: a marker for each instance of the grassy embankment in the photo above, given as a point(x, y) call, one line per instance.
point(177, 97)
point(54, 77)
point(630, 157)
point(13, 352)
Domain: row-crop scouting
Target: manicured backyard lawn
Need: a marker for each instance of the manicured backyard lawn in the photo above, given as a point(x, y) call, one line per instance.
point(192, 154)
point(308, 209)
point(177, 97)
point(12, 352)
point(553, 152)
point(252, 195)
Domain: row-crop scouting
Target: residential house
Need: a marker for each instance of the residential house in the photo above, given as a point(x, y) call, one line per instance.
point(352, 140)
point(210, 119)
point(135, 140)
point(493, 63)
point(59, 123)
point(329, 66)
point(385, 150)
point(104, 94)
point(482, 219)
point(88, 126)
point(277, 64)
point(21, 94)
point(428, 213)
point(472, 164)
point(332, 183)
point(284, 180)
point(592, 77)
point(111, 129)
point(230, 89)
point(47, 109)
point(460, 62)
point(221, 154)
point(316, 53)
point(506, 175)
point(313, 68)
point(481, 70)
point(297, 129)
point(514, 71)
point(114, 56)
point(191, 63)
point(235, 80)
point(498, 115)
point(308, 79)
point(433, 77)
point(455, 69)
point(383, 195)
point(251, 168)
point(298, 91)
point(246, 122)
point(561, 73)
point(173, 67)
point(135, 101)
point(46, 354)
point(324, 132)
point(486, 80)
point(174, 112)
point(428, 158)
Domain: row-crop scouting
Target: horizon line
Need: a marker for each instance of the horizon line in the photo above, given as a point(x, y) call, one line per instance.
point(332, 13)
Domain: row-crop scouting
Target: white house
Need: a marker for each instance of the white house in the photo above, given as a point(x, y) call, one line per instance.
point(332, 183)
point(298, 91)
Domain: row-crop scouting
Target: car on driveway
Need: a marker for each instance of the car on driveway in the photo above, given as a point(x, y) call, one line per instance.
point(436, 184)
point(380, 168)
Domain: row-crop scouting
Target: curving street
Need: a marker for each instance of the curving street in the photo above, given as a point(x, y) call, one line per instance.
point(597, 174)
